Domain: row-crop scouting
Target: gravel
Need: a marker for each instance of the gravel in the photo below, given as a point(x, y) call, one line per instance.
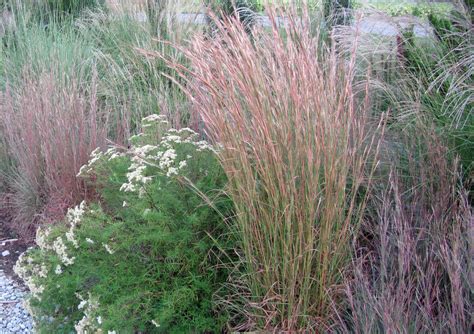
point(14, 318)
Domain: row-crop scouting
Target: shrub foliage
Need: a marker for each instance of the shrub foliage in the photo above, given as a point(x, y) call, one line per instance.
point(147, 260)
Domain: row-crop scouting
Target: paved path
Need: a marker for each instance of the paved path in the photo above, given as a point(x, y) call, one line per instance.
point(375, 24)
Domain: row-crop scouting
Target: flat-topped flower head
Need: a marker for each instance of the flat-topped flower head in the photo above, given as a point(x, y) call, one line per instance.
point(154, 118)
point(42, 234)
point(61, 250)
point(74, 216)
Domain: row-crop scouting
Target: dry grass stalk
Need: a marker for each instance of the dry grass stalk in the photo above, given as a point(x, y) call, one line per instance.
point(299, 156)
point(413, 271)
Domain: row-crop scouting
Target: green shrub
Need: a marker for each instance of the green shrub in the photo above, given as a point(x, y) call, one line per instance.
point(403, 8)
point(146, 258)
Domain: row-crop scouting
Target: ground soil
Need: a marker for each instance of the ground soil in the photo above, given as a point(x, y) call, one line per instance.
point(14, 245)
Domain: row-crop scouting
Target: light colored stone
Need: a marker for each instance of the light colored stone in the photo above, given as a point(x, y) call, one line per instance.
point(13, 317)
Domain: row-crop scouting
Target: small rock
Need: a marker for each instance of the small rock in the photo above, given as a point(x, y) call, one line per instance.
point(13, 317)
point(5, 253)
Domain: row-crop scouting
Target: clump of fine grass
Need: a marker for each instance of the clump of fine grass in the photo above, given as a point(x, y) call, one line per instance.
point(49, 117)
point(134, 85)
point(426, 79)
point(296, 147)
point(50, 130)
point(412, 267)
point(47, 11)
point(413, 264)
point(440, 81)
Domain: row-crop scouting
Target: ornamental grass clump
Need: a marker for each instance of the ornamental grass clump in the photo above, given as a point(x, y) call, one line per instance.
point(50, 119)
point(145, 258)
point(297, 149)
point(413, 257)
point(440, 81)
point(132, 86)
point(50, 125)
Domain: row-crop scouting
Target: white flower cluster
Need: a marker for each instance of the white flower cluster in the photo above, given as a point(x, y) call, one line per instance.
point(95, 157)
point(185, 135)
point(154, 119)
point(166, 161)
point(28, 272)
point(90, 322)
point(41, 240)
point(135, 177)
point(164, 155)
point(43, 271)
point(108, 249)
point(61, 250)
point(74, 216)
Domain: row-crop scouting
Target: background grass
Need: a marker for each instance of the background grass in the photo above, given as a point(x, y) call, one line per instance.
point(95, 61)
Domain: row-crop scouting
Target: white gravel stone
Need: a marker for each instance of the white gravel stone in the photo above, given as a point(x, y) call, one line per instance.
point(5, 253)
point(13, 317)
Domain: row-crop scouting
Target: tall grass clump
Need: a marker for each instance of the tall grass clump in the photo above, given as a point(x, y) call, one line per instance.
point(437, 81)
point(412, 270)
point(413, 264)
point(49, 117)
point(57, 48)
point(337, 12)
point(46, 11)
point(50, 130)
point(132, 84)
point(297, 149)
